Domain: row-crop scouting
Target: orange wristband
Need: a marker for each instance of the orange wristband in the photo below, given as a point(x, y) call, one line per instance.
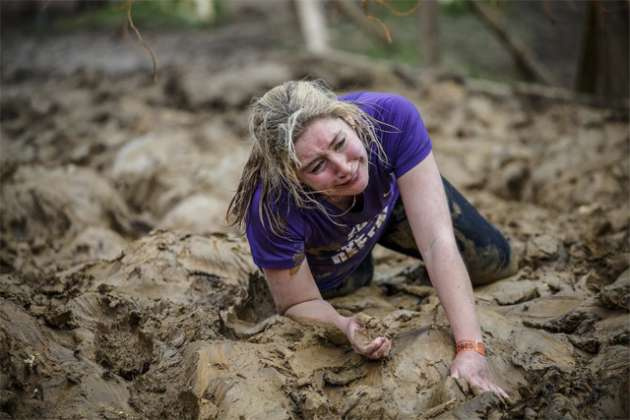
point(470, 345)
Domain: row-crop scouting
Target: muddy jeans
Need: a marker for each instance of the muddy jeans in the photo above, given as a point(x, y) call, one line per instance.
point(485, 251)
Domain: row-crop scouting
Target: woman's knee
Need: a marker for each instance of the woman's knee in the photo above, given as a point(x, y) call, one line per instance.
point(494, 262)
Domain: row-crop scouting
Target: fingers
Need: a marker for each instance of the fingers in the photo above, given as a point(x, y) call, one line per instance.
point(489, 386)
point(477, 388)
point(480, 385)
point(381, 349)
point(372, 347)
point(387, 348)
point(472, 373)
point(376, 349)
point(501, 393)
point(462, 384)
point(380, 342)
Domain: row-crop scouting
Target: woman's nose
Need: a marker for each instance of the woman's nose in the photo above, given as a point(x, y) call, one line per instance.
point(342, 166)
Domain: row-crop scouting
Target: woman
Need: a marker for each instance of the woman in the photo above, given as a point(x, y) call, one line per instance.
point(329, 177)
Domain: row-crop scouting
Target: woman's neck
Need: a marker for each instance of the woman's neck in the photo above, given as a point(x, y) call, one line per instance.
point(344, 203)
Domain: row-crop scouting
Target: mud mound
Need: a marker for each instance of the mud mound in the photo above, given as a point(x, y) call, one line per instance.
point(103, 317)
point(121, 318)
point(80, 198)
point(52, 219)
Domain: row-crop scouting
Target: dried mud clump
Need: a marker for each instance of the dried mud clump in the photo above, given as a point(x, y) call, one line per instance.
point(124, 349)
point(371, 328)
point(123, 295)
point(36, 213)
point(617, 295)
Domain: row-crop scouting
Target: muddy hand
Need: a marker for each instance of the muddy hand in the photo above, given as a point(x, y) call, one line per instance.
point(377, 348)
point(474, 369)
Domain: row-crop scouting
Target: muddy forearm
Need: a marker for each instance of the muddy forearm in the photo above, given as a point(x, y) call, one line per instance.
point(318, 311)
point(431, 224)
point(452, 283)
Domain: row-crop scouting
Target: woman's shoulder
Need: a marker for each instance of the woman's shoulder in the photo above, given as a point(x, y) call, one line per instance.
point(277, 201)
point(273, 204)
point(380, 105)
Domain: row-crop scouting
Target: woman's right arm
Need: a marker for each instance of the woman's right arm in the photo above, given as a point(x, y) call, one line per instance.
point(296, 295)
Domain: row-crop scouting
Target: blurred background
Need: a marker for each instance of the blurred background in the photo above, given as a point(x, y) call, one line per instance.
point(580, 45)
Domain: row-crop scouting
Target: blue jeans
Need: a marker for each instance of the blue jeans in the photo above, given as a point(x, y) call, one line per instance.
point(485, 251)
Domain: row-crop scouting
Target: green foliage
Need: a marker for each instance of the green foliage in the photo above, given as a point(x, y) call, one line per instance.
point(466, 45)
point(454, 7)
point(402, 29)
point(147, 14)
point(398, 51)
point(388, 8)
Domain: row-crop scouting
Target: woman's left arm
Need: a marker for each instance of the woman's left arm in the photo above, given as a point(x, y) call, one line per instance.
point(427, 211)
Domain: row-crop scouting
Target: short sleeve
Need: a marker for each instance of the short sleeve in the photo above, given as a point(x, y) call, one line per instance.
point(271, 250)
point(407, 142)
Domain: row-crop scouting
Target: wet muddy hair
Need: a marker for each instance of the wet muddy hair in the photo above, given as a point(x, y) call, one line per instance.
point(276, 121)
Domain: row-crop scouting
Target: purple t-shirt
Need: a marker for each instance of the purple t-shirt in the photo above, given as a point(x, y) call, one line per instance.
point(334, 252)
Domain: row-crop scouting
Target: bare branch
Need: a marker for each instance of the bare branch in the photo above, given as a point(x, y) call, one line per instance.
point(524, 57)
point(362, 20)
point(142, 42)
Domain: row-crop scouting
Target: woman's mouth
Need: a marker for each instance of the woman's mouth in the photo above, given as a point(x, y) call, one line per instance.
point(353, 178)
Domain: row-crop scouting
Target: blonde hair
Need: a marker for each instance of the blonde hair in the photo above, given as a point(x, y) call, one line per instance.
point(277, 120)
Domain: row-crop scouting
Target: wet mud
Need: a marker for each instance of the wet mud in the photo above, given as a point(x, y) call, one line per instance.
point(123, 295)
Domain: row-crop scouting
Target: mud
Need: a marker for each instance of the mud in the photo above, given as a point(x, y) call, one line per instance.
point(123, 295)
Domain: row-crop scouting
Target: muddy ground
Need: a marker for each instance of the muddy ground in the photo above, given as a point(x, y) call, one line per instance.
point(123, 295)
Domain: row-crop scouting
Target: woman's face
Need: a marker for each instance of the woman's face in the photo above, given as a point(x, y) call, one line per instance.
point(333, 160)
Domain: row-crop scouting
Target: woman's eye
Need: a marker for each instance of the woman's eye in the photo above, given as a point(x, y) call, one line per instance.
point(340, 144)
point(317, 167)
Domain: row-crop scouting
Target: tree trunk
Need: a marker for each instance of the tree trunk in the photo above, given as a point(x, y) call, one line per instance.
point(524, 57)
point(429, 32)
point(313, 24)
point(603, 67)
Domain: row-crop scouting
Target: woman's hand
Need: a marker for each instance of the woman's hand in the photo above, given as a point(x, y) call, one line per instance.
point(358, 337)
point(474, 369)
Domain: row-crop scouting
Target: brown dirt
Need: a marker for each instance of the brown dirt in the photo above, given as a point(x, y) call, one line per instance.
point(123, 295)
